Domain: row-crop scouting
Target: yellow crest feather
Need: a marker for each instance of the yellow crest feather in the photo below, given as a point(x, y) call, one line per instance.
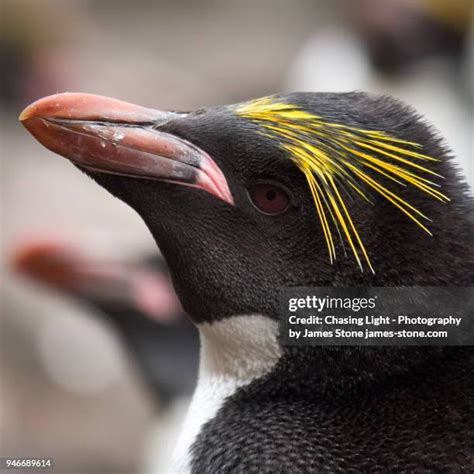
point(332, 154)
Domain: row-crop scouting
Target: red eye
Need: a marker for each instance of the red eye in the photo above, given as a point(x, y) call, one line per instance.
point(269, 198)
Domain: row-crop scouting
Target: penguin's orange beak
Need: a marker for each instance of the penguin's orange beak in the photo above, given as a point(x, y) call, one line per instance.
point(110, 136)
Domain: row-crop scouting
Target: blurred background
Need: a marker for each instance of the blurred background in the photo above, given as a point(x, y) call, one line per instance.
point(96, 358)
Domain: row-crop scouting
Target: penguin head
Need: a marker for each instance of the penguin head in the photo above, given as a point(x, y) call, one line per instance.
point(304, 189)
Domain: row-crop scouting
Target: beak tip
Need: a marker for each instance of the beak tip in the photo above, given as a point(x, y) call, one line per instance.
point(46, 106)
point(34, 110)
point(25, 114)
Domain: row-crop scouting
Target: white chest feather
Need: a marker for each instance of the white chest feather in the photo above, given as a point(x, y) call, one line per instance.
point(234, 352)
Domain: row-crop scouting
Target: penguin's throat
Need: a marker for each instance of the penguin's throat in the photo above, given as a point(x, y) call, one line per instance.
point(234, 352)
point(239, 348)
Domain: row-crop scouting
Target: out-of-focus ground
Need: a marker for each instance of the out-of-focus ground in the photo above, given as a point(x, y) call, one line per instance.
point(68, 389)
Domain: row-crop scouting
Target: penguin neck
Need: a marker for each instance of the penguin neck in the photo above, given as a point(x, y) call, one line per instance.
point(235, 351)
point(239, 348)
